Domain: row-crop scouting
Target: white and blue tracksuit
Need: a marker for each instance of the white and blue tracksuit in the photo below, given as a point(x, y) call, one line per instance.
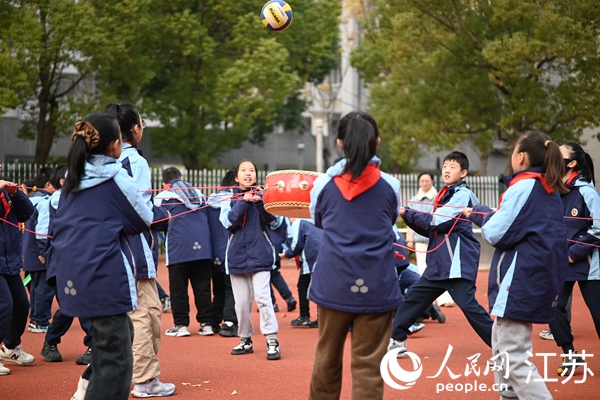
point(581, 202)
point(451, 267)
point(354, 271)
point(95, 274)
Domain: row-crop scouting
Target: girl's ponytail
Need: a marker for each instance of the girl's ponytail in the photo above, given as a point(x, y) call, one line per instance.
point(543, 152)
point(93, 135)
point(585, 165)
point(358, 133)
point(75, 164)
point(554, 167)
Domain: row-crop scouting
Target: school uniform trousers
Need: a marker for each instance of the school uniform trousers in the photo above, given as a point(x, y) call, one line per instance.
point(561, 325)
point(198, 273)
point(14, 308)
point(425, 291)
point(223, 304)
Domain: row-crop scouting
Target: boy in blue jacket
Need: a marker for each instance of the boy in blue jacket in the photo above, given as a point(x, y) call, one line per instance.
point(453, 265)
point(189, 254)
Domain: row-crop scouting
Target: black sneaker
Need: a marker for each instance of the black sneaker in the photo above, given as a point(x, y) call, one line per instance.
point(437, 314)
point(314, 324)
point(275, 308)
point(273, 352)
point(303, 322)
point(570, 363)
point(291, 303)
point(228, 330)
point(50, 353)
point(166, 302)
point(85, 358)
point(245, 347)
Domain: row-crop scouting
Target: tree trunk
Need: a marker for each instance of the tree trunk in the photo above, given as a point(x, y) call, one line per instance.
point(483, 161)
point(46, 129)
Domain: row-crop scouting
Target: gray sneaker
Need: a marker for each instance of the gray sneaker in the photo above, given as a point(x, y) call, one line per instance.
point(398, 344)
point(16, 355)
point(154, 388)
point(4, 370)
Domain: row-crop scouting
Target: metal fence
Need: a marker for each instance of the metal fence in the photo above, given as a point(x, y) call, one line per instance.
point(486, 188)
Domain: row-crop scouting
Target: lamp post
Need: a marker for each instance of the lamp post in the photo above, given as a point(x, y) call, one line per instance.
point(300, 155)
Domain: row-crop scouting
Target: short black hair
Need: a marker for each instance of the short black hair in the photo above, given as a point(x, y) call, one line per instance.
point(460, 158)
point(41, 180)
point(425, 173)
point(170, 174)
point(228, 178)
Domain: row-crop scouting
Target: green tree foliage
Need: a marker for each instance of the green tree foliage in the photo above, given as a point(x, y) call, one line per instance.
point(443, 70)
point(212, 74)
point(50, 48)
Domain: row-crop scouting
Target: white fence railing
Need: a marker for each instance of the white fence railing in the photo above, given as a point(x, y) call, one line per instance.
point(486, 188)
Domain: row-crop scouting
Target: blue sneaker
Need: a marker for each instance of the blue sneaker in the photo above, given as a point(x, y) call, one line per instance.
point(416, 327)
point(154, 388)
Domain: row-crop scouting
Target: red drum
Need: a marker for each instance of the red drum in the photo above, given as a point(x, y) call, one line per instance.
point(287, 192)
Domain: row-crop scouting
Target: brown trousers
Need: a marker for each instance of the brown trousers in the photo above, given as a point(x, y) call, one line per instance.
point(146, 326)
point(370, 338)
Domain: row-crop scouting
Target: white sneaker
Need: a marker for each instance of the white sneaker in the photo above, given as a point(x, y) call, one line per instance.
point(205, 329)
point(4, 370)
point(398, 344)
point(178, 330)
point(546, 334)
point(17, 355)
point(81, 389)
point(154, 388)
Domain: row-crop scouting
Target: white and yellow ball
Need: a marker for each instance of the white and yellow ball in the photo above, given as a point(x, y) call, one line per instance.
point(277, 15)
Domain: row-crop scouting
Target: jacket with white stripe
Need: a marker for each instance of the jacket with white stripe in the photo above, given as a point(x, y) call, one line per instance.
point(530, 262)
point(306, 239)
point(95, 275)
point(456, 253)
point(34, 243)
point(582, 219)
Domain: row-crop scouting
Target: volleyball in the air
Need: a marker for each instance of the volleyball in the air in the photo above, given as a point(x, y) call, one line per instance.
point(277, 15)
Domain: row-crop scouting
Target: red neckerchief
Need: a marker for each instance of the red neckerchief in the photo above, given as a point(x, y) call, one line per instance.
point(297, 260)
point(527, 175)
point(572, 177)
point(439, 197)
point(6, 205)
point(354, 188)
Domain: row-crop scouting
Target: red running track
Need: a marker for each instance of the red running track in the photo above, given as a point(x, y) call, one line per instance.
point(202, 367)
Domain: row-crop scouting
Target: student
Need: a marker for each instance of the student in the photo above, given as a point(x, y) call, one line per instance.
point(147, 317)
point(99, 207)
point(15, 207)
point(306, 239)
point(278, 233)
point(582, 210)
point(41, 294)
point(354, 282)
point(249, 260)
point(189, 254)
point(454, 264)
point(223, 301)
point(60, 322)
point(528, 266)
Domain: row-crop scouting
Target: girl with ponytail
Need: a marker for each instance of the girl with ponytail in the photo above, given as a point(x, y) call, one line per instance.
point(354, 282)
point(581, 210)
point(528, 267)
point(99, 207)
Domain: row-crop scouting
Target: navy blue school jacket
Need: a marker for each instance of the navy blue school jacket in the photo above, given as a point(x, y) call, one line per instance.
point(34, 243)
point(458, 256)
point(306, 240)
point(355, 269)
point(14, 209)
point(95, 274)
point(188, 235)
point(48, 251)
point(582, 202)
point(400, 253)
point(530, 262)
point(249, 248)
point(278, 232)
point(145, 245)
point(218, 234)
